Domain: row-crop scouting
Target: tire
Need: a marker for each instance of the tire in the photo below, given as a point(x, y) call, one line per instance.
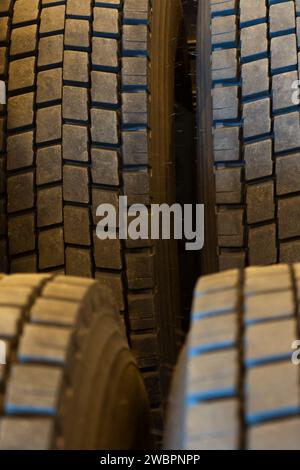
point(70, 381)
point(241, 382)
point(249, 133)
point(87, 120)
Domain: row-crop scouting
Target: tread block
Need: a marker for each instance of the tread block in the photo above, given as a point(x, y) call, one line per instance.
point(255, 77)
point(49, 86)
point(225, 103)
point(104, 126)
point(224, 64)
point(26, 434)
point(52, 19)
point(78, 262)
point(107, 253)
point(77, 33)
point(257, 118)
point(266, 306)
point(20, 192)
point(135, 147)
point(141, 311)
point(282, 17)
point(75, 104)
point(19, 151)
point(288, 215)
point(212, 375)
point(144, 348)
point(283, 52)
point(76, 67)
point(54, 312)
point(105, 53)
point(268, 342)
point(21, 74)
point(41, 343)
point(272, 437)
point(258, 159)
point(288, 174)
point(51, 248)
point(232, 260)
point(79, 8)
point(24, 264)
point(75, 143)
point(140, 270)
point(76, 184)
point(262, 245)
point(282, 90)
point(228, 185)
point(25, 11)
point(135, 38)
point(21, 234)
point(105, 167)
point(216, 415)
point(137, 187)
point(219, 281)
point(260, 202)
point(231, 228)
point(224, 30)
point(114, 283)
point(20, 111)
point(49, 165)
point(135, 108)
point(254, 41)
point(9, 321)
point(48, 126)
point(134, 72)
point(102, 196)
point(252, 11)
point(214, 303)
point(105, 88)
point(49, 206)
point(287, 132)
point(24, 40)
point(106, 21)
point(51, 50)
point(213, 333)
point(226, 143)
point(33, 390)
point(290, 252)
point(77, 225)
point(272, 391)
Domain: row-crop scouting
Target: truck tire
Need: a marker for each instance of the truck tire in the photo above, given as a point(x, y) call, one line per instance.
point(249, 132)
point(241, 372)
point(89, 118)
point(70, 381)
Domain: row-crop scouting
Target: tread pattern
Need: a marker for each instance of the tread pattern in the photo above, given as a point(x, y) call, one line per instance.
point(256, 131)
point(44, 319)
point(242, 389)
point(77, 119)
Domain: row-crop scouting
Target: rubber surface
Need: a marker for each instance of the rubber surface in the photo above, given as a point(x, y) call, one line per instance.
point(85, 123)
point(241, 382)
point(70, 381)
point(249, 131)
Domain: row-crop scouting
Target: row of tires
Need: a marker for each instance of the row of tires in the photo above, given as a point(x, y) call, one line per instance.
point(90, 117)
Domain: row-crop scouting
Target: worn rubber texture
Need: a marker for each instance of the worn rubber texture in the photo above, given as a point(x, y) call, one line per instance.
point(241, 387)
point(69, 370)
point(88, 120)
point(249, 131)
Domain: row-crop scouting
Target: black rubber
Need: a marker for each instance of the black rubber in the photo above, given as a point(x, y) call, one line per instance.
point(249, 132)
point(88, 120)
point(70, 381)
point(237, 383)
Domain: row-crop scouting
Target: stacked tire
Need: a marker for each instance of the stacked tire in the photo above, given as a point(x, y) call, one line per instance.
point(237, 382)
point(87, 120)
point(70, 381)
point(249, 133)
